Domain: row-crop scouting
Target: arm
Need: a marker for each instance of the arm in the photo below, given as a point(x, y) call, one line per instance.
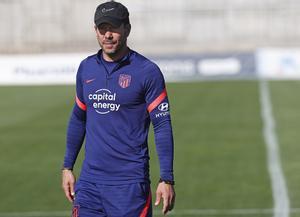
point(165, 149)
point(158, 108)
point(75, 137)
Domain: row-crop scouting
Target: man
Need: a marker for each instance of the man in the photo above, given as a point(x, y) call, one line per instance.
point(118, 93)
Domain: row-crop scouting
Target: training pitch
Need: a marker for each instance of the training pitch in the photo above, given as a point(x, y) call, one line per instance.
point(222, 157)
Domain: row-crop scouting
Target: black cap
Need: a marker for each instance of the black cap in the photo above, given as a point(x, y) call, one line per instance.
point(111, 12)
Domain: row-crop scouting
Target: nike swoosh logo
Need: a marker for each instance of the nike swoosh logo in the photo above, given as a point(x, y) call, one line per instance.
point(90, 80)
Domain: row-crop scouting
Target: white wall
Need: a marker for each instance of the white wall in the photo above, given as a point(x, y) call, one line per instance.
point(157, 26)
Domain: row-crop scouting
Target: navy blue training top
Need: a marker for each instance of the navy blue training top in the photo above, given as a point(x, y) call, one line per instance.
point(115, 104)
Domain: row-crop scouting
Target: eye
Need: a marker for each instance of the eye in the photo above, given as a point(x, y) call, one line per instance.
point(102, 31)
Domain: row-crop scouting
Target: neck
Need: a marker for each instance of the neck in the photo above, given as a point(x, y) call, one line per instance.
point(116, 56)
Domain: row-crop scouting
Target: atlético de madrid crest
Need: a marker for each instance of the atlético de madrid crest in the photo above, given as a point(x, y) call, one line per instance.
point(124, 80)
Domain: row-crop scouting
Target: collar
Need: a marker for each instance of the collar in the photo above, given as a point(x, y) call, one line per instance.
point(124, 60)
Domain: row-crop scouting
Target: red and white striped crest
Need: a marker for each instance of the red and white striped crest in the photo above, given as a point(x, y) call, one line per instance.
point(75, 211)
point(124, 80)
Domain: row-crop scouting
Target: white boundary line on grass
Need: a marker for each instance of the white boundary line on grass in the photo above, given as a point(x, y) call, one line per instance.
point(280, 193)
point(176, 212)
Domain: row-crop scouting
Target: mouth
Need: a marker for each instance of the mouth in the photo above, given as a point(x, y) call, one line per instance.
point(109, 44)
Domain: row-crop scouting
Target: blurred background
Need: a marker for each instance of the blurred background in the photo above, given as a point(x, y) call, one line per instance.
point(232, 69)
point(169, 26)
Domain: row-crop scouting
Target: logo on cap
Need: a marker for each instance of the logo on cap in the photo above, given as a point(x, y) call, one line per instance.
point(104, 10)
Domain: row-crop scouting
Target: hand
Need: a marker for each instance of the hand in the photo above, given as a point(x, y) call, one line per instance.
point(68, 182)
point(167, 192)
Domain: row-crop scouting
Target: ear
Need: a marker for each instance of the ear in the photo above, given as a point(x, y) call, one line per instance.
point(127, 29)
point(95, 27)
point(96, 31)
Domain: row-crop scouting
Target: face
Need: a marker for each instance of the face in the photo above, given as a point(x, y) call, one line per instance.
point(112, 40)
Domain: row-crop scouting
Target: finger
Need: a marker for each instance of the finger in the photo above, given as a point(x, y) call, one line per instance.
point(170, 206)
point(165, 205)
point(72, 191)
point(67, 193)
point(69, 198)
point(171, 202)
point(158, 197)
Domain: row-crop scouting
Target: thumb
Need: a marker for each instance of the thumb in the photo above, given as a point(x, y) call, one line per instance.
point(158, 197)
point(72, 191)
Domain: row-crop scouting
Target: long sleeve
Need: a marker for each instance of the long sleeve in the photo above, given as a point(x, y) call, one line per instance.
point(75, 137)
point(158, 108)
point(76, 127)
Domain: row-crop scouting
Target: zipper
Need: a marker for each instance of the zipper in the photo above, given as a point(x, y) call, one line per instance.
point(106, 82)
point(109, 75)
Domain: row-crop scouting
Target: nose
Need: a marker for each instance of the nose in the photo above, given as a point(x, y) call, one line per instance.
point(108, 34)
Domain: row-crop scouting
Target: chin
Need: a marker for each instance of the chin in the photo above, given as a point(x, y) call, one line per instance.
point(109, 51)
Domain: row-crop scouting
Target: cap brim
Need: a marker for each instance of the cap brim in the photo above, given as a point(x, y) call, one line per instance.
point(112, 21)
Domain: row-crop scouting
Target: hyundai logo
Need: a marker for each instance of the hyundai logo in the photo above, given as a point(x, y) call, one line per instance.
point(163, 107)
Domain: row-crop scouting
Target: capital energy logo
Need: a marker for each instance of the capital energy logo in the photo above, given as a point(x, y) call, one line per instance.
point(104, 101)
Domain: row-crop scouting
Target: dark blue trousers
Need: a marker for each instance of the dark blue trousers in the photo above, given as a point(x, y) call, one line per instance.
point(129, 200)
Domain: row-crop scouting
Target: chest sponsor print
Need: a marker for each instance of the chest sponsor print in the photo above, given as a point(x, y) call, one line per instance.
point(104, 101)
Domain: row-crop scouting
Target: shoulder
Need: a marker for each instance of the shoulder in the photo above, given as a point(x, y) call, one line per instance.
point(149, 67)
point(89, 60)
point(151, 74)
point(87, 63)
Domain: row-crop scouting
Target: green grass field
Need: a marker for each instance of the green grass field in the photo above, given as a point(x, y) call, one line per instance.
point(220, 155)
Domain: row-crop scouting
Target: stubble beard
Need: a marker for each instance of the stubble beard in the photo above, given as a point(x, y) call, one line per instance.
point(114, 51)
